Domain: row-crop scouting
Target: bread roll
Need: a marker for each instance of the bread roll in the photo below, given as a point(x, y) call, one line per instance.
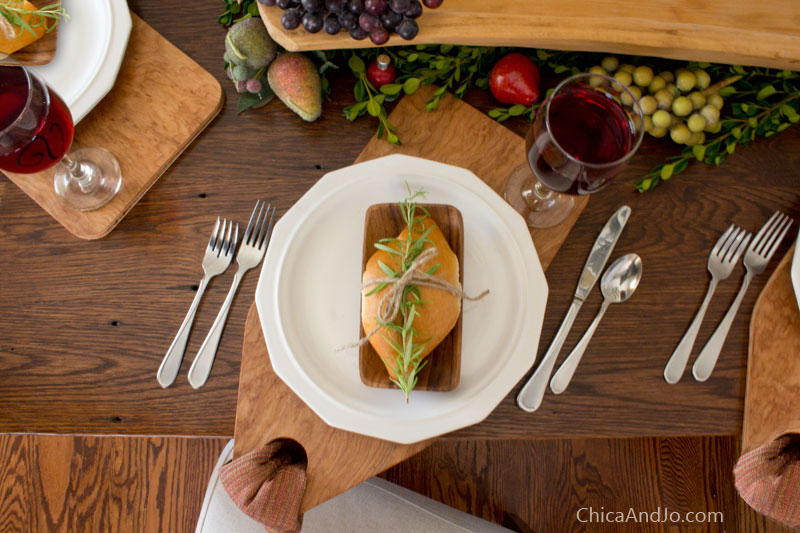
point(20, 38)
point(441, 309)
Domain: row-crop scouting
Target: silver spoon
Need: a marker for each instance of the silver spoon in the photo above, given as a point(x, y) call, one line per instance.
point(617, 285)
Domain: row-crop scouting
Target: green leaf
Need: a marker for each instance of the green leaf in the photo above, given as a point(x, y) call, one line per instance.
point(783, 126)
point(699, 151)
point(482, 83)
point(517, 110)
point(388, 249)
point(411, 85)
point(412, 57)
point(680, 167)
point(386, 270)
point(560, 69)
point(391, 88)
point(736, 132)
point(360, 91)
point(445, 48)
point(496, 112)
point(753, 121)
point(666, 171)
point(373, 108)
point(766, 92)
point(356, 64)
point(392, 138)
point(248, 100)
point(727, 91)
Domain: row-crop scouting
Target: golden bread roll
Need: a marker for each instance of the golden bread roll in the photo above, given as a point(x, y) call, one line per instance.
point(20, 38)
point(441, 309)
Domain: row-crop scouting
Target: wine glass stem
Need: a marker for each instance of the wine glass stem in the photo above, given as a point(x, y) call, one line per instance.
point(82, 174)
point(541, 192)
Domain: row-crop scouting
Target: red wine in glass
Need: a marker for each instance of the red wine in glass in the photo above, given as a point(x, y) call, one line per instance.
point(42, 141)
point(589, 136)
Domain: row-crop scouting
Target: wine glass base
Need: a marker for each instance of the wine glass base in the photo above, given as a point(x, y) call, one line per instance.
point(538, 205)
point(100, 182)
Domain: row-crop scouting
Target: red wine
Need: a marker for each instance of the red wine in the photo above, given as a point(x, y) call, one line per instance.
point(31, 139)
point(591, 129)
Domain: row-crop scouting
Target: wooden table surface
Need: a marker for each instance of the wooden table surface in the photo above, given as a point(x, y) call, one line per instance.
point(85, 324)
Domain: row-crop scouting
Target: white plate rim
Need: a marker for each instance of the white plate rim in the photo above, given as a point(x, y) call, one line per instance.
point(476, 408)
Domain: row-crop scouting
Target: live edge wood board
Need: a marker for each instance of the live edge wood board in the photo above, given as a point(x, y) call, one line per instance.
point(765, 33)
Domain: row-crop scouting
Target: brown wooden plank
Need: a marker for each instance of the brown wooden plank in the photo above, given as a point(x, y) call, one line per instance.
point(52, 483)
point(765, 34)
point(164, 100)
point(443, 370)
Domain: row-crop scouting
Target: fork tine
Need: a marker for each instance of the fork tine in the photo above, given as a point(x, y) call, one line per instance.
point(257, 226)
point(776, 239)
point(249, 229)
point(762, 234)
point(226, 243)
point(721, 240)
point(729, 243)
point(230, 246)
point(267, 227)
point(214, 235)
point(769, 236)
point(727, 254)
point(221, 237)
point(741, 248)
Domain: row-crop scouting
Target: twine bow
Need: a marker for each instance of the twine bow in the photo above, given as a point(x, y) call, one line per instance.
point(392, 301)
point(7, 28)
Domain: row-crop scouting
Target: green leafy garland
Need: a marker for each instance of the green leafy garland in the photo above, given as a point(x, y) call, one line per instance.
point(409, 361)
point(45, 16)
point(243, 8)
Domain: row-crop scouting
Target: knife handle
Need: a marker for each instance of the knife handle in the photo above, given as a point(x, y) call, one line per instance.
point(530, 397)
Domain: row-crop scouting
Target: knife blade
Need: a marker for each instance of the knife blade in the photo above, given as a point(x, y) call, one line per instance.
point(530, 397)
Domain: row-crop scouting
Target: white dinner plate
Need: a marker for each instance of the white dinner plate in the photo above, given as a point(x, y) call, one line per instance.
point(89, 52)
point(795, 271)
point(308, 299)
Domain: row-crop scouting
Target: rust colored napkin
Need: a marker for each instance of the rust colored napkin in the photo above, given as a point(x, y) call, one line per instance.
point(268, 485)
point(768, 479)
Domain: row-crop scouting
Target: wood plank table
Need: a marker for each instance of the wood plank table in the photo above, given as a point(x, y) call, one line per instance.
point(84, 325)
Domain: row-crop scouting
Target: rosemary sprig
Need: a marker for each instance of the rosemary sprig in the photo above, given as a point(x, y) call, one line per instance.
point(45, 16)
point(412, 343)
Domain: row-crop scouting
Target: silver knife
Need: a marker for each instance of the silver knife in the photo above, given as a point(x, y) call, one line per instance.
point(530, 397)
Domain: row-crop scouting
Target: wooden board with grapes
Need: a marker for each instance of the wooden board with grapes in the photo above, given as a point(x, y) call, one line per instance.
point(748, 33)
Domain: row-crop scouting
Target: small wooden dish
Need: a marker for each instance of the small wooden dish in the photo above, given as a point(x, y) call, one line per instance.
point(42, 51)
point(443, 370)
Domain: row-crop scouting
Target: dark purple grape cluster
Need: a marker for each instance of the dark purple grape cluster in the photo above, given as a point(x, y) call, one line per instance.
point(375, 19)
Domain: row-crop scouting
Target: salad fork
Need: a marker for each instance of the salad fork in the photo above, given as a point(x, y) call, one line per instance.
point(756, 259)
point(218, 256)
point(723, 258)
point(251, 252)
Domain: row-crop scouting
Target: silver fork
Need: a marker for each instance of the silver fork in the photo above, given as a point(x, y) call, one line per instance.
point(251, 252)
point(219, 253)
point(721, 261)
point(756, 259)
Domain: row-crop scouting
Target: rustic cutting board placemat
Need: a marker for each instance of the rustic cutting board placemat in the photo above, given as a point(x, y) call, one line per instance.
point(267, 409)
point(161, 101)
point(772, 393)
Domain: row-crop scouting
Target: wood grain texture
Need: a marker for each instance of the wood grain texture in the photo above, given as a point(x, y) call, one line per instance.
point(70, 484)
point(460, 135)
point(161, 101)
point(540, 486)
point(85, 324)
point(42, 51)
point(765, 34)
point(772, 394)
point(443, 369)
point(269, 410)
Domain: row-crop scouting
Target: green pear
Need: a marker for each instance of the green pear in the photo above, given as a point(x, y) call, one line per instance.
point(294, 79)
point(248, 44)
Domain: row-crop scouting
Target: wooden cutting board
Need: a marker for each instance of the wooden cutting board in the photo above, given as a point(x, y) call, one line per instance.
point(772, 393)
point(267, 409)
point(764, 33)
point(160, 102)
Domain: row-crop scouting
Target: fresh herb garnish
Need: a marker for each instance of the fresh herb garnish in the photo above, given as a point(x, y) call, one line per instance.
point(43, 17)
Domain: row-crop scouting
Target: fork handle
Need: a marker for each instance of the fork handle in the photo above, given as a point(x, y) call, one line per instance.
point(201, 367)
point(704, 364)
point(171, 364)
point(677, 363)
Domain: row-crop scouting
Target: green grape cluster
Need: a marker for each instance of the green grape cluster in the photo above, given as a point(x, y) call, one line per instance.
point(682, 103)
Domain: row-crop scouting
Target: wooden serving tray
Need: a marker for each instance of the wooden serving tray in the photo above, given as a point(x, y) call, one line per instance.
point(41, 51)
point(772, 393)
point(161, 101)
point(443, 370)
point(762, 33)
point(267, 409)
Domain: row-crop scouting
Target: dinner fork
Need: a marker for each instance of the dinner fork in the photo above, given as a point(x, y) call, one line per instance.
point(251, 252)
point(723, 258)
point(756, 259)
point(219, 253)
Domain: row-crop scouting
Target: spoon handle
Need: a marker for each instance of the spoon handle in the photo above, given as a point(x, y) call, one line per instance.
point(562, 378)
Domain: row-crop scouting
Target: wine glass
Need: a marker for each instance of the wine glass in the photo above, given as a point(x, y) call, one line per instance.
point(36, 132)
point(582, 135)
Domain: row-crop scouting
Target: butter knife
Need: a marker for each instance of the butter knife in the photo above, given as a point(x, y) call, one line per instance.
point(530, 397)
